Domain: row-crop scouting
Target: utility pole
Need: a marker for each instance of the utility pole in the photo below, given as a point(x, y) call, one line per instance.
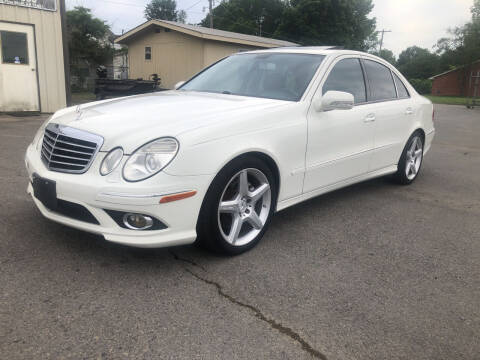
point(381, 39)
point(210, 8)
point(260, 22)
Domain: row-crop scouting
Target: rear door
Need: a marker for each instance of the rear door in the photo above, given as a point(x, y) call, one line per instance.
point(18, 77)
point(393, 110)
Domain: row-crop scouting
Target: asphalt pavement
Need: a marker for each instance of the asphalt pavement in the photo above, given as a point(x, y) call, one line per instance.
point(372, 271)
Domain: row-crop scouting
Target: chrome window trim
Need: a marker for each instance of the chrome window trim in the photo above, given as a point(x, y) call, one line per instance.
point(406, 88)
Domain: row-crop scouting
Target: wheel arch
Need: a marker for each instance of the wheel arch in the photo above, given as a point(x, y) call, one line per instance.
point(269, 161)
point(265, 157)
point(421, 131)
point(416, 128)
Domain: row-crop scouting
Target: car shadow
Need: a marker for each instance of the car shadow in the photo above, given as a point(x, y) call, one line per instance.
point(80, 243)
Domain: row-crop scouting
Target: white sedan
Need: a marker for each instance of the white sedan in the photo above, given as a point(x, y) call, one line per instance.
point(213, 160)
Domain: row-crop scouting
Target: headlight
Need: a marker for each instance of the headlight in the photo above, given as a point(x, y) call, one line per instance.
point(150, 159)
point(111, 161)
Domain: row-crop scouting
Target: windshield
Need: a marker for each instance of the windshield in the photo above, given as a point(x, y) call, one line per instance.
point(279, 76)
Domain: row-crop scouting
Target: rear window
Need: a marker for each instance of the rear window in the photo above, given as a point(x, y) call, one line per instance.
point(380, 80)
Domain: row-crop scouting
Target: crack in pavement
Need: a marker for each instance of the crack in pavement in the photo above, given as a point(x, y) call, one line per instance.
point(273, 324)
point(188, 261)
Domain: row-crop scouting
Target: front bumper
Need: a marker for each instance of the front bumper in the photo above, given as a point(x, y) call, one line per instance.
point(98, 193)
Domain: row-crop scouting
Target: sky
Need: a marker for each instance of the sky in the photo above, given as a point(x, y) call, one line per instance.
point(412, 22)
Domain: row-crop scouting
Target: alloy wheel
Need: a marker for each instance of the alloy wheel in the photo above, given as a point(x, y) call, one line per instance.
point(244, 206)
point(414, 158)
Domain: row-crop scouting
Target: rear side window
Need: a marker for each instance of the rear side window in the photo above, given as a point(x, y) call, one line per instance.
point(401, 89)
point(347, 76)
point(380, 80)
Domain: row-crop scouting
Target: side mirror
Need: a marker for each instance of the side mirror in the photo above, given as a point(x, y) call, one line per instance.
point(334, 100)
point(178, 84)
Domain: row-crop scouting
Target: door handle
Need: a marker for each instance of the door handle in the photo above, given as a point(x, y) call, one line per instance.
point(369, 118)
point(409, 111)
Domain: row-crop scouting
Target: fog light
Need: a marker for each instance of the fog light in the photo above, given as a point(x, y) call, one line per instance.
point(137, 221)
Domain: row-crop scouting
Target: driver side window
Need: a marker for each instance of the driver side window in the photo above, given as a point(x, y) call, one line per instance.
point(347, 76)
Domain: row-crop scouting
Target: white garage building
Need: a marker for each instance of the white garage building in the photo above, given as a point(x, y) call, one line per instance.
point(32, 69)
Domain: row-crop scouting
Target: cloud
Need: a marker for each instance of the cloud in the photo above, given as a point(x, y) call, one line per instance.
point(418, 22)
point(413, 22)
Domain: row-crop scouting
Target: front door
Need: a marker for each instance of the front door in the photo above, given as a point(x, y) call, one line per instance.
point(18, 73)
point(340, 142)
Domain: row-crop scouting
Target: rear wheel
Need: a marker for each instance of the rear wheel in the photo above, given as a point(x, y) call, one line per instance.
point(411, 160)
point(238, 207)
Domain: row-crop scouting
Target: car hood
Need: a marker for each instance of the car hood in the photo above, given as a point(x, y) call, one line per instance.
point(134, 120)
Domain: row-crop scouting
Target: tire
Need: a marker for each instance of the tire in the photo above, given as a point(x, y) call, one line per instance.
point(411, 160)
point(238, 207)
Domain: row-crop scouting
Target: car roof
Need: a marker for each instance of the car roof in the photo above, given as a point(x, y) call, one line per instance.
point(318, 50)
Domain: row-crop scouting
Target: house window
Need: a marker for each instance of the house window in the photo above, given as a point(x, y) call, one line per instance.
point(148, 53)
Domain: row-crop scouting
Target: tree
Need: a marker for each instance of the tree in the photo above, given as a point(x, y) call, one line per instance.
point(417, 63)
point(164, 10)
point(386, 55)
point(87, 38)
point(247, 16)
point(307, 22)
point(329, 22)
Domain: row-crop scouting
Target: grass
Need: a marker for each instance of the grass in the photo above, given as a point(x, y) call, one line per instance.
point(448, 100)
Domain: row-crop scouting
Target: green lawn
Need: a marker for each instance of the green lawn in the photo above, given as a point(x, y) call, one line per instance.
point(449, 100)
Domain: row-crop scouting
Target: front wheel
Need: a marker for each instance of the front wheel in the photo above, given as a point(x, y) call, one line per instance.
point(238, 207)
point(411, 160)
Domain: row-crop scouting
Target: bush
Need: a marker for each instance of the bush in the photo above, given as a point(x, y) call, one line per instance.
point(423, 86)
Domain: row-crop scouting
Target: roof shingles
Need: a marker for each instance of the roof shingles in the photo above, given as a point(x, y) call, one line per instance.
point(221, 35)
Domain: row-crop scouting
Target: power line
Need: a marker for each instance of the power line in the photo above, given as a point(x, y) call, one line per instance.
point(198, 2)
point(143, 6)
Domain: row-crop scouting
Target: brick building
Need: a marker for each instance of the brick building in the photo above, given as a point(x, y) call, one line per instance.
point(457, 82)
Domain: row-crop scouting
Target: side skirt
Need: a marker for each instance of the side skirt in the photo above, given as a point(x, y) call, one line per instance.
point(370, 175)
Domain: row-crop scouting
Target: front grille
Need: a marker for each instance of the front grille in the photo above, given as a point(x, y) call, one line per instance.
point(69, 150)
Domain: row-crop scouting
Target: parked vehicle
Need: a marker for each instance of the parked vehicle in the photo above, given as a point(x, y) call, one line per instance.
point(105, 87)
point(213, 160)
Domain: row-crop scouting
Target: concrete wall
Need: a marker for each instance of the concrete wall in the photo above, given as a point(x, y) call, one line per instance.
point(175, 56)
point(49, 46)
